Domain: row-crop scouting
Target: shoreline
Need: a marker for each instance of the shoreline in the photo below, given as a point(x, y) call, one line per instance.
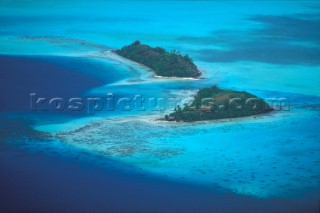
point(177, 78)
point(109, 54)
point(265, 117)
point(114, 56)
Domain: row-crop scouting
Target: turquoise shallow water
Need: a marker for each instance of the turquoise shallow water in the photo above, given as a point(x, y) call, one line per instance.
point(238, 45)
point(259, 156)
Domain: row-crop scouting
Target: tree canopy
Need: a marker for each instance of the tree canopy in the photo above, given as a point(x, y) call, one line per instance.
point(164, 63)
point(215, 103)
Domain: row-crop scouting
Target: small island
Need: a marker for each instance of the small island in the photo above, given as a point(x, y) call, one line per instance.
point(215, 103)
point(163, 63)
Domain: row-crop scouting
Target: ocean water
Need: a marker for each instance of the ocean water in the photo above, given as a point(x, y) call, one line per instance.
point(270, 49)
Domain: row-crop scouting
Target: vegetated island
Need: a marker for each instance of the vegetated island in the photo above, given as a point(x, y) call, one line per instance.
point(162, 62)
point(215, 103)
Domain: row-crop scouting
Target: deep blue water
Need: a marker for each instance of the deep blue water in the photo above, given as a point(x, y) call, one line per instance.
point(21, 77)
point(35, 182)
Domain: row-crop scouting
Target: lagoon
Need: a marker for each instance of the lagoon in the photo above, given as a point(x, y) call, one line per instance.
point(262, 162)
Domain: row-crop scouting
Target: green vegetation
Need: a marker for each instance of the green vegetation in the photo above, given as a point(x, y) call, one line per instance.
point(163, 63)
point(215, 103)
